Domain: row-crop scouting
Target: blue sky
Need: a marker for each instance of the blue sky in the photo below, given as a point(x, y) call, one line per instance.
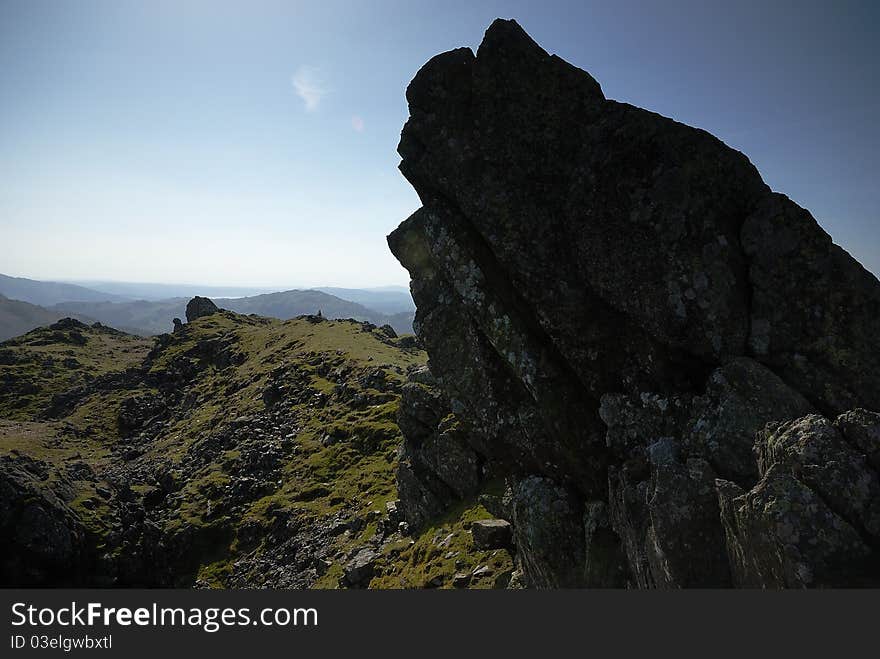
point(253, 143)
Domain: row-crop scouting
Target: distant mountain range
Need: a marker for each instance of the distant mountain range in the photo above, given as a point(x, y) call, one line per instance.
point(26, 304)
point(390, 299)
point(47, 293)
point(386, 299)
point(156, 292)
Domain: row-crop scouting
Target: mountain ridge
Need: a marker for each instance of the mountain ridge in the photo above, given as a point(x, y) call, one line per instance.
point(47, 293)
point(154, 316)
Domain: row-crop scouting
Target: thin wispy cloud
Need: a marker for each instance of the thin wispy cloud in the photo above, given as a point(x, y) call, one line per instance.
point(308, 86)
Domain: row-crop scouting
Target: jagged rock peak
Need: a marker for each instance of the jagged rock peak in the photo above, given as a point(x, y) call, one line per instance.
point(614, 304)
point(198, 307)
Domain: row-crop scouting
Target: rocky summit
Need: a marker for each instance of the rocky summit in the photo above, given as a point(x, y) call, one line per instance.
point(672, 369)
point(235, 451)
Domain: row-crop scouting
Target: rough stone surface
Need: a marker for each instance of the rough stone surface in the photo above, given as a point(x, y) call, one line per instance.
point(861, 429)
point(615, 305)
point(359, 570)
point(491, 533)
point(42, 539)
point(437, 464)
point(199, 307)
point(814, 517)
point(548, 532)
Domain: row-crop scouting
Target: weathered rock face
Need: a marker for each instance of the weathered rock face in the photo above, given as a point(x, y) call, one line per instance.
point(198, 307)
point(42, 538)
point(437, 465)
point(814, 518)
point(615, 305)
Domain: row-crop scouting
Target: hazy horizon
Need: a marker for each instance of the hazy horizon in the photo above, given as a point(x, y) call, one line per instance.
point(255, 288)
point(253, 145)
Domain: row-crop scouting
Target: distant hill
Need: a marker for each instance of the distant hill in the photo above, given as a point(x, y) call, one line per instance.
point(288, 304)
point(154, 317)
point(47, 293)
point(18, 317)
point(389, 300)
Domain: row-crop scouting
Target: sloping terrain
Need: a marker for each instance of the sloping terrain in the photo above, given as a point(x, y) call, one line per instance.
point(63, 357)
point(237, 451)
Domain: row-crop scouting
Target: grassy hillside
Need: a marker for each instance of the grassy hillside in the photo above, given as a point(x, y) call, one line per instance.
point(62, 357)
point(239, 451)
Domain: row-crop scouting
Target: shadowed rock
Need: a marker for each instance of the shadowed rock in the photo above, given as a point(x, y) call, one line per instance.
point(199, 307)
point(491, 533)
point(614, 304)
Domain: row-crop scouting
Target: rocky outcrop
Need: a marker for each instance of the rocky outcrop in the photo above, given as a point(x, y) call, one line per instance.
point(814, 517)
point(615, 305)
point(42, 539)
point(199, 307)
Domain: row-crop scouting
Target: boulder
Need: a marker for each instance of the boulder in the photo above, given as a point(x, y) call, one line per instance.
point(461, 580)
point(360, 569)
point(861, 429)
point(199, 307)
point(491, 533)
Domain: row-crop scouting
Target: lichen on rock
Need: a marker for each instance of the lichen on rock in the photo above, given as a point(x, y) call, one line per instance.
point(615, 306)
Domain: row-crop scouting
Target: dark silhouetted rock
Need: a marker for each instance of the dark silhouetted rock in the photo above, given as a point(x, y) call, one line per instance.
point(199, 307)
point(615, 305)
point(862, 430)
